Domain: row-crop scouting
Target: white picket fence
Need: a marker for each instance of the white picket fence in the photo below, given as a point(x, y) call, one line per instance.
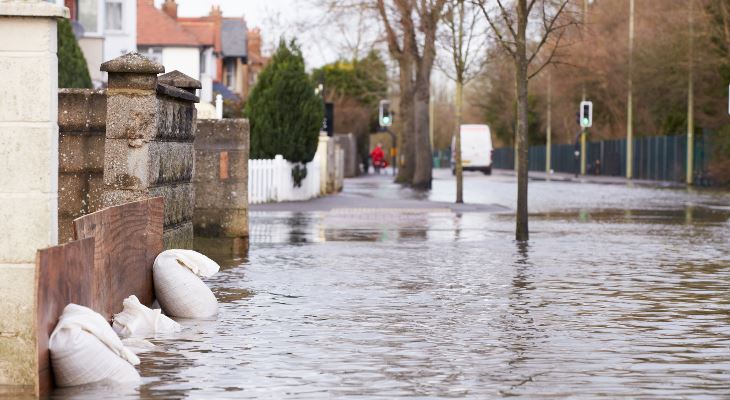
point(272, 181)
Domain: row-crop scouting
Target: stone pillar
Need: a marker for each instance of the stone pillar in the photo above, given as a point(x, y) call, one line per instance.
point(150, 130)
point(221, 186)
point(28, 173)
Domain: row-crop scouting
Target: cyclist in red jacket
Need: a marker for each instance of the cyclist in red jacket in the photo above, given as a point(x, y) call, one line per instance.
point(378, 158)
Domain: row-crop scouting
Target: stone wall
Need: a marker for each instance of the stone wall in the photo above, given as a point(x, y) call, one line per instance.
point(82, 127)
point(149, 141)
point(221, 185)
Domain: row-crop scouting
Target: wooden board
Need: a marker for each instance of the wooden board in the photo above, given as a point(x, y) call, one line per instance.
point(63, 275)
point(127, 237)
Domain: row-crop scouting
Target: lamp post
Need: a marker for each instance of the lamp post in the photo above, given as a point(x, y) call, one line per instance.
point(548, 144)
point(690, 98)
point(630, 100)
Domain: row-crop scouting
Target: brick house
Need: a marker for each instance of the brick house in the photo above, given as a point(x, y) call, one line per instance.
point(219, 51)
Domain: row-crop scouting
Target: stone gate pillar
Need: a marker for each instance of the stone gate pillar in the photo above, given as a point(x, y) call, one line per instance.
point(28, 173)
point(150, 128)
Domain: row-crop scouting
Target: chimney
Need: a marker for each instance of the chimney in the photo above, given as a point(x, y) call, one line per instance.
point(169, 7)
point(254, 42)
point(215, 12)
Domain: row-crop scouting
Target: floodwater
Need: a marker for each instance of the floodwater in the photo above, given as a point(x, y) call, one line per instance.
point(621, 292)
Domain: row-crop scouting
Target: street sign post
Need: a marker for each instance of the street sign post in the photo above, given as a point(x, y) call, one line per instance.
point(585, 114)
point(328, 125)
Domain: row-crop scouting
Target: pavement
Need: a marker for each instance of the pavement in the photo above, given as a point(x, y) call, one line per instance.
point(380, 192)
point(605, 180)
point(376, 192)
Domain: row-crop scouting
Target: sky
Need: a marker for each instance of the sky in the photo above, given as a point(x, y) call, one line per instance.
point(275, 18)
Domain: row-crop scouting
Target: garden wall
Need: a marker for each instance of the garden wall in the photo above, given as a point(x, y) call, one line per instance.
point(221, 182)
point(82, 127)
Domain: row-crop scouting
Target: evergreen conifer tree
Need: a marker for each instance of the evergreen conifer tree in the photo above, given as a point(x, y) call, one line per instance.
point(285, 114)
point(72, 70)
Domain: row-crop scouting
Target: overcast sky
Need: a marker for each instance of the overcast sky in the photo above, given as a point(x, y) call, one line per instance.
point(275, 18)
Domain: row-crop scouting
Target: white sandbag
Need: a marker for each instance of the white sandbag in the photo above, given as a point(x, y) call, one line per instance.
point(136, 319)
point(84, 349)
point(178, 286)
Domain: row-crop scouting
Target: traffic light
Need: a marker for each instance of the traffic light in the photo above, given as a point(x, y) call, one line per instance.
point(385, 117)
point(586, 114)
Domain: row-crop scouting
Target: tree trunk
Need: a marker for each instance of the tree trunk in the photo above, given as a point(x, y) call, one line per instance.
point(457, 146)
point(424, 157)
point(406, 145)
point(522, 232)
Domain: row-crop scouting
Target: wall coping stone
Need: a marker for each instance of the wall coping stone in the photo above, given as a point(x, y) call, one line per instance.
point(180, 80)
point(132, 63)
point(81, 91)
point(31, 8)
point(177, 93)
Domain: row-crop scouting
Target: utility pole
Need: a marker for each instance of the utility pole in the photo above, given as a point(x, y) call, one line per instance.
point(690, 98)
point(583, 131)
point(630, 100)
point(548, 144)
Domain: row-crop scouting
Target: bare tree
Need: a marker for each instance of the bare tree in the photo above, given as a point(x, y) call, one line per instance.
point(428, 14)
point(510, 21)
point(401, 39)
point(412, 43)
point(465, 44)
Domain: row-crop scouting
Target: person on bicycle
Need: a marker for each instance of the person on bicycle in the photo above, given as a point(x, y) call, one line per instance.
point(377, 157)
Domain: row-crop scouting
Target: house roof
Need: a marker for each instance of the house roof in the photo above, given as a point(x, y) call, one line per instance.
point(155, 28)
point(202, 29)
point(233, 38)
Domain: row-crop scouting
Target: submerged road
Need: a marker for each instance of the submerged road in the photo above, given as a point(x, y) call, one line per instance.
point(381, 292)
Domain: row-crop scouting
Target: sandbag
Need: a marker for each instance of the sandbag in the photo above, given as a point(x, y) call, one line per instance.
point(136, 319)
point(178, 286)
point(84, 349)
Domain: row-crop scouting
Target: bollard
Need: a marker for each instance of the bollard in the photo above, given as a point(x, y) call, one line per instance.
point(219, 106)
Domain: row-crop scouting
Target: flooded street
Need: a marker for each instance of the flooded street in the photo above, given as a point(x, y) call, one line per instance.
point(621, 292)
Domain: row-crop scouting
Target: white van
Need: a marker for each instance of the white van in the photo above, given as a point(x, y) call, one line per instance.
point(476, 149)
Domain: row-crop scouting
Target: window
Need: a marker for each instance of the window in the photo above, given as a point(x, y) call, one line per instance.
point(202, 61)
point(87, 15)
point(230, 65)
point(113, 15)
point(153, 53)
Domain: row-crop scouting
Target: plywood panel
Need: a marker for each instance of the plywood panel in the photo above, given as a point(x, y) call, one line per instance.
point(127, 237)
point(64, 275)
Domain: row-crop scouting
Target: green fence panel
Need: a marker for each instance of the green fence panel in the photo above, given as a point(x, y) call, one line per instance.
point(659, 158)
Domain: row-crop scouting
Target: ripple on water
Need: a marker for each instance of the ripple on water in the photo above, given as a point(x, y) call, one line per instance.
point(603, 302)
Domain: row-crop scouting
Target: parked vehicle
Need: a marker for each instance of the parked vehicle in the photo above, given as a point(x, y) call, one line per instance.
point(476, 149)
